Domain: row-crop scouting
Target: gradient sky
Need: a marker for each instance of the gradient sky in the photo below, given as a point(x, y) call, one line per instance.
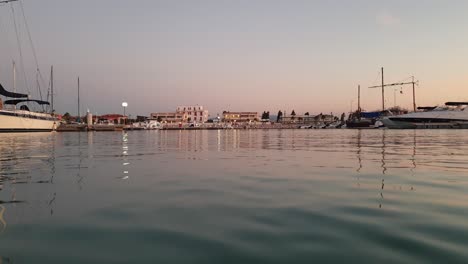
point(241, 55)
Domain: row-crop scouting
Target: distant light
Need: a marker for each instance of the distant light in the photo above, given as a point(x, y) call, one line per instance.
point(124, 104)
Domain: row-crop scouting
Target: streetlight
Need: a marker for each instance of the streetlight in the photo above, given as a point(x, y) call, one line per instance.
point(124, 105)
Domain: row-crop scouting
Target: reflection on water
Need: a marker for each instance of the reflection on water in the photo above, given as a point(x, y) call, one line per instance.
point(4, 260)
point(125, 162)
point(2, 221)
point(247, 196)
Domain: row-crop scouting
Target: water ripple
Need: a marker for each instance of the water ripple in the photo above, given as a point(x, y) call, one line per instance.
point(235, 196)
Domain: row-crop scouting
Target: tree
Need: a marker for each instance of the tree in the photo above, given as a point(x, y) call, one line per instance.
point(307, 114)
point(343, 117)
point(66, 116)
point(279, 116)
point(267, 115)
point(397, 110)
point(293, 115)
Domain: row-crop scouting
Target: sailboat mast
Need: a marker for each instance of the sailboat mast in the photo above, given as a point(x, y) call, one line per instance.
point(383, 92)
point(79, 118)
point(414, 95)
point(359, 98)
point(383, 85)
point(14, 76)
point(52, 88)
point(14, 80)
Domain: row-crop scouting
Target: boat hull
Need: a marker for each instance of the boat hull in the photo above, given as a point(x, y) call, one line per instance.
point(26, 123)
point(362, 123)
point(397, 124)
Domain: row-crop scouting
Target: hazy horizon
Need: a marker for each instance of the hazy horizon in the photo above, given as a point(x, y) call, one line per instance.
point(242, 55)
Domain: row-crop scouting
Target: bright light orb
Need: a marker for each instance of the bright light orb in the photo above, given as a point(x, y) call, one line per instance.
point(124, 104)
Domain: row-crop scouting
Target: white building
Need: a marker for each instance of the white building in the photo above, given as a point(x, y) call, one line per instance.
point(195, 114)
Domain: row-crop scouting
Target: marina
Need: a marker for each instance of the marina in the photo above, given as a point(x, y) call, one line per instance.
point(263, 132)
point(197, 117)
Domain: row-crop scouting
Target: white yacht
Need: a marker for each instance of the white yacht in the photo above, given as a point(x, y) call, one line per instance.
point(453, 115)
point(153, 124)
point(13, 119)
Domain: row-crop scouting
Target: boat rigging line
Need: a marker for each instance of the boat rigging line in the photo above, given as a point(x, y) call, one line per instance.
point(39, 77)
point(18, 39)
point(39, 88)
point(32, 47)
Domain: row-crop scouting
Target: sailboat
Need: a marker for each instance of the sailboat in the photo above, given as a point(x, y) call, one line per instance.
point(23, 120)
point(15, 115)
point(360, 119)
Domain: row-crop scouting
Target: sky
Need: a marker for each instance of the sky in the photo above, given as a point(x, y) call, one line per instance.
point(238, 55)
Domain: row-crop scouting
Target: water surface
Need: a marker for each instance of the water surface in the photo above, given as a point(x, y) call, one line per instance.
point(235, 196)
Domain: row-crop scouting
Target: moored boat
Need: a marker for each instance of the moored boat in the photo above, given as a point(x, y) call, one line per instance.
point(22, 119)
point(453, 115)
point(15, 115)
point(364, 119)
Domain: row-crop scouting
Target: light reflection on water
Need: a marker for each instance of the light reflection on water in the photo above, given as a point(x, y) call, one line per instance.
point(240, 196)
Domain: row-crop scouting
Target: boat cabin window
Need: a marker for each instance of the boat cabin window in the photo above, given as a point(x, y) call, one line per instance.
point(24, 107)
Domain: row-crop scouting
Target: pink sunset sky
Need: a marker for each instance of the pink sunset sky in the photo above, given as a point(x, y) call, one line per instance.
point(246, 55)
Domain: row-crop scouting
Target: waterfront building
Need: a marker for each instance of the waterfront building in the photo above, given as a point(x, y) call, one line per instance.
point(183, 114)
point(109, 119)
point(193, 114)
point(168, 117)
point(240, 116)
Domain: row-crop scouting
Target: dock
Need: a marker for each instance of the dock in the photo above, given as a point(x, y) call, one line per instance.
point(84, 127)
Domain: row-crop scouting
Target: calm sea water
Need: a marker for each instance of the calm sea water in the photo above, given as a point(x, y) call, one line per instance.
point(235, 196)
